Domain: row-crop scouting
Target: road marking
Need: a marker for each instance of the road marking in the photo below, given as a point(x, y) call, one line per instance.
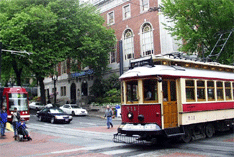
point(96, 147)
point(119, 151)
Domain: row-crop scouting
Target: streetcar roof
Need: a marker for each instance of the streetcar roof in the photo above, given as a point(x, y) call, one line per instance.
point(176, 71)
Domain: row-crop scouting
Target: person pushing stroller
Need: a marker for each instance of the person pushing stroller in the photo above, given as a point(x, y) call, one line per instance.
point(22, 132)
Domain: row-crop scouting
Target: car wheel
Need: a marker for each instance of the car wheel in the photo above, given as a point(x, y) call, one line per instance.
point(68, 122)
point(73, 113)
point(40, 118)
point(52, 120)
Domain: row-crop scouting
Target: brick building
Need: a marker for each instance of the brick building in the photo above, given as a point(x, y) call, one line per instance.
point(139, 32)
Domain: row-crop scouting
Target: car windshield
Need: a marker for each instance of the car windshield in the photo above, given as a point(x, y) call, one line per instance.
point(75, 106)
point(56, 111)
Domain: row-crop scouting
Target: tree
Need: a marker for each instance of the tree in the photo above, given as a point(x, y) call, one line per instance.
point(197, 22)
point(106, 90)
point(54, 30)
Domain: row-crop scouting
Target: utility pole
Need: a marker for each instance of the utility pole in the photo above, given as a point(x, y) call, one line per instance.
point(121, 65)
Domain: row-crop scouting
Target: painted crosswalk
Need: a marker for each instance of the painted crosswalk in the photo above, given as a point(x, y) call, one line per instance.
point(90, 142)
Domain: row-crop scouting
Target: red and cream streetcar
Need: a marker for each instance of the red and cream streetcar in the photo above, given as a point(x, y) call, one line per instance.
point(172, 95)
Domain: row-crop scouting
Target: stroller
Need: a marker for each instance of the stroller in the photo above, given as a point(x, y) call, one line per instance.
point(22, 132)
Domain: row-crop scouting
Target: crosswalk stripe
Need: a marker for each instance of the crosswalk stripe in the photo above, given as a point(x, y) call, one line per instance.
point(96, 147)
point(119, 151)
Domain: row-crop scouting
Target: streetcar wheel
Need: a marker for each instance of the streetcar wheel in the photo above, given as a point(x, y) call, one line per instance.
point(209, 130)
point(187, 137)
point(39, 118)
point(52, 120)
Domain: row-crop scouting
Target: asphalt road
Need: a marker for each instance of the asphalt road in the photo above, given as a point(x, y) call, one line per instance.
point(88, 136)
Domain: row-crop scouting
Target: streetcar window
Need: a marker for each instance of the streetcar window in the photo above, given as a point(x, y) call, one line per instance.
point(122, 92)
point(150, 90)
point(233, 90)
point(228, 90)
point(219, 90)
point(165, 90)
point(200, 90)
point(190, 94)
point(19, 101)
point(172, 88)
point(210, 90)
point(132, 91)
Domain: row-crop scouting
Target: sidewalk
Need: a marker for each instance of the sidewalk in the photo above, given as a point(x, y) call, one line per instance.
point(100, 115)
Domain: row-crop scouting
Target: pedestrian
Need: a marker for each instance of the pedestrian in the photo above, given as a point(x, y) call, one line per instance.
point(15, 120)
point(108, 115)
point(3, 120)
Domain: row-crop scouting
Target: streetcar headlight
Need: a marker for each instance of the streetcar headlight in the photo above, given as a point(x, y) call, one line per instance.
point(141, 117)
point(130, 115)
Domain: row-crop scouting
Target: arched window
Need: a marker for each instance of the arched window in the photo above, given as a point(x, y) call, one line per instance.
point(147, 45)
point(128, 45)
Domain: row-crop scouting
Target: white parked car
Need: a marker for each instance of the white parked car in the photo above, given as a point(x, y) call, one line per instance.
point(36, 106)
point(74, 109)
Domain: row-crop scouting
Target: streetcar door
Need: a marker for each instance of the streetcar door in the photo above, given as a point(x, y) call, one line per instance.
point(169, 103)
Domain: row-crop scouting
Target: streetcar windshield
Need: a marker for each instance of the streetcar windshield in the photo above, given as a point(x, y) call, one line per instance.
point(18, 100)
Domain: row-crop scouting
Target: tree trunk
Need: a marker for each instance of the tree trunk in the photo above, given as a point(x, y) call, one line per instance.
point(42, 89)
point(18, 73)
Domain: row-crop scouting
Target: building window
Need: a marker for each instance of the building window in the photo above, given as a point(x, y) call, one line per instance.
point(190, 88)
point(144, 5)
point(63, 91)
point(200, 90)
point(147, 40)
point(113, 55)
point(126, 12)
point(228, 90)
point(210, 91)
point(110, 18)
point(128, 44)
point(64, 67)
point(219, 90)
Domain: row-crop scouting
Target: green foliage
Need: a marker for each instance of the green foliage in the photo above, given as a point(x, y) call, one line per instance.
point(106, 90)
point(197, 21)
point(53, 30)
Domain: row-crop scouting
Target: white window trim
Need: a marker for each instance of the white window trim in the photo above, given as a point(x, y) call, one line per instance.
point(141, 9)
point(141, 38)
point(108, 18)
point(123, 11)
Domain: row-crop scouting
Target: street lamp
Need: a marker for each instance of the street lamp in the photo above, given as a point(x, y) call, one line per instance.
point(54, 78)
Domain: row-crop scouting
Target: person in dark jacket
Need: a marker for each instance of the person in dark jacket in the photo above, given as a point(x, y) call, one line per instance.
point(108, 115)
point(3, 120)
point(22, 130)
